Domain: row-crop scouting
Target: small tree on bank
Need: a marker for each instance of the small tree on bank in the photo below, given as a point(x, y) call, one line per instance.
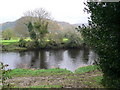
point(37, 24)
point(8, 34)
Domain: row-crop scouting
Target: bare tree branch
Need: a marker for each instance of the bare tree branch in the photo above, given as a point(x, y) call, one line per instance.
point(37, 15)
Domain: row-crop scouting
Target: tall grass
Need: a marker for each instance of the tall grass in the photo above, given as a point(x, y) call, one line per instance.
point(86, 69)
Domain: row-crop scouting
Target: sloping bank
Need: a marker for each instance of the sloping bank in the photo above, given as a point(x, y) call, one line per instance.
point(84, 77)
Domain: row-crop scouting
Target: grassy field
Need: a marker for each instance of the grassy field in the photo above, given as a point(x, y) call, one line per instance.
point(39, 72)
point(86, 69)
point(84, 77)
point(8, 42)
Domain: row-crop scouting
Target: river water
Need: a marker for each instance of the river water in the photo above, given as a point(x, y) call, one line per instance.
point(71, 59)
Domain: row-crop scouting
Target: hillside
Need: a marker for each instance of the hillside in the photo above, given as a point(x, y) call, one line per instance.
point(54, 26)
point(7, 25)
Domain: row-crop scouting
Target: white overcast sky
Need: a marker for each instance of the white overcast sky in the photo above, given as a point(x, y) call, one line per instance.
point(61, 10)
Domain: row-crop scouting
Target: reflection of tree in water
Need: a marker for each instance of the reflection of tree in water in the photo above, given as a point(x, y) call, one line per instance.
point(43, 59)
point(22, 63)
point(39, 57)
point(57, 54)
point(85, 54)
point(93, 58)
point(22, 53)
point(73, 53)
point(54, 58)
point(34, 57)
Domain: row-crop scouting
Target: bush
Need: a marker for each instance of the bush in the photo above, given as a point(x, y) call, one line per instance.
point(74, 40)
point(22, 42)
point(4, 76)
point(42, 44)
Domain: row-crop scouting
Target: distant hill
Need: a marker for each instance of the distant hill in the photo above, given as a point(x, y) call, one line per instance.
point(7, 25)
point(54, 26)
point(66, 26)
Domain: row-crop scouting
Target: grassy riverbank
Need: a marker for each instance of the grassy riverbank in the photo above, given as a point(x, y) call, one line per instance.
point(84, 77)
point(11, 45)
point(28, 44)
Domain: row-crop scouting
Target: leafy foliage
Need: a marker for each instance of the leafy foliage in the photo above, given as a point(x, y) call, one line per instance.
point(64, 40)
point(74, 39)
point(7, 34)
point(103, 35)
point(37, 31)
point(22, 42)
point(37, 25)
point(4, 76)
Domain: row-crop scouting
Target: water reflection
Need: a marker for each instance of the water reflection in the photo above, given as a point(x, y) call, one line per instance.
point(74, 53)
point(43, 64)
point(46, 59)
point(92, 57)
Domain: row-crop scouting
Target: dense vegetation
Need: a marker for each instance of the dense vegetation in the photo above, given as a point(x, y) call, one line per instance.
point(103, 35)
point(51, 40)
point(8, 34)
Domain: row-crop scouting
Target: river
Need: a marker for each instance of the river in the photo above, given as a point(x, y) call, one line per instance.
point(69, 59)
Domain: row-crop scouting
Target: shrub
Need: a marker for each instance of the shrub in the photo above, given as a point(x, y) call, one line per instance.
point(22, 42)
point(4, 76)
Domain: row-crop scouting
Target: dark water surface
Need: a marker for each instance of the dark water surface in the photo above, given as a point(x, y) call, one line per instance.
point(70, 59)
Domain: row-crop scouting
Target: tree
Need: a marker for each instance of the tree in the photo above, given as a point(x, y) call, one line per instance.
point(37, 24)
point(7, 34)
point(104, 36)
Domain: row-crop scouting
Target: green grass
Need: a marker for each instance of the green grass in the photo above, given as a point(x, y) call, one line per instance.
point(94, 81)
point(90, 81)
point(97, 79)
point(47, 72)
point(14, 40)
point(65, 39)
point(89, 76)
point(8, 42)
point(28, 39)
point(47, 40)
point(40, 72)
point(86, 69)
point(46, 86)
